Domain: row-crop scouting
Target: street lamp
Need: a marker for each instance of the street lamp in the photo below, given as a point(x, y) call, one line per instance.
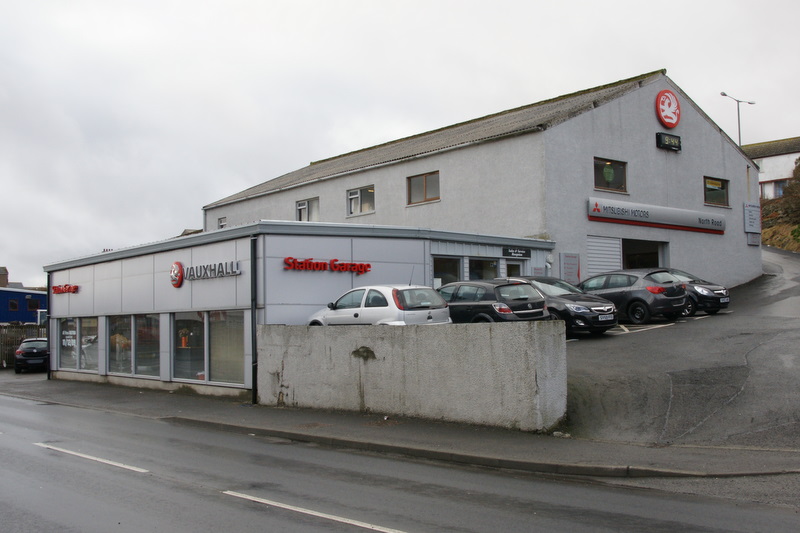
point(738, 112)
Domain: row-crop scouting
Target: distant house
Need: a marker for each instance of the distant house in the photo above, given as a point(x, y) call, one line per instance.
point(776, 161)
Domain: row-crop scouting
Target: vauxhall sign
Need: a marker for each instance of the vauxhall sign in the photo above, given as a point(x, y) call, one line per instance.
point(178, 273)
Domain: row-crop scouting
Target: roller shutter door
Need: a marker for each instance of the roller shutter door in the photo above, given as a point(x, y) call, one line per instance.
point(602, 255)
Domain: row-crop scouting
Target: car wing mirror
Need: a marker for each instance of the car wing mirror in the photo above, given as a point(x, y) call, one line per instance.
point(331, 306)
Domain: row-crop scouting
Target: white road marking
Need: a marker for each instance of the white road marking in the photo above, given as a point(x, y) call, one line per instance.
point(334, 518)
point(92, 458)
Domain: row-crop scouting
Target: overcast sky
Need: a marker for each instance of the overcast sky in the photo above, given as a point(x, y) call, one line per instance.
point(120, 119)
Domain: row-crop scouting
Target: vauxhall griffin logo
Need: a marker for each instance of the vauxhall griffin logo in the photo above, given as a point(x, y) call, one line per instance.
point(668, 109)
point(176, 274)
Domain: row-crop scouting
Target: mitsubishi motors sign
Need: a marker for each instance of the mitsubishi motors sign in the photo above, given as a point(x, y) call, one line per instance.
point(655, 216)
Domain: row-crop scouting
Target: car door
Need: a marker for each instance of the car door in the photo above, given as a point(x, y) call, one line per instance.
point(617, 289)
point(347, 309)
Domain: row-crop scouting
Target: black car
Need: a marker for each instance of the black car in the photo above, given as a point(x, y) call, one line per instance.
point(493, 301)
point(640, 293)
point(32, 354)
point(579, 311)
point(703, 295)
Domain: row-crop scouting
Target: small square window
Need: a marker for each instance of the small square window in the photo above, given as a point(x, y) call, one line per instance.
point(33, 305)
point(360, 201)
point(222, 222)
point(307, 210)
point(423, 188)
point(610, 175)
point(13, 305)
point(715, 191)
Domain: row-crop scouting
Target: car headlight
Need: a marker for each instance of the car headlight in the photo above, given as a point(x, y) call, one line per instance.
point(703, 291)
point(578, 308)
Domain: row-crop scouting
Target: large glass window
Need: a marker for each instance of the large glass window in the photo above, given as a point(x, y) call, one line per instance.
point(446, 270)
point(716, 191)
point(423, 188)
point(147, 345)
point(226, 342)
point(89, 347)
point(307, 210)
point(610, 175)
point(482, 268)
point(361, 201)
point(120, 341)
point(68, 343)
point(190, 342)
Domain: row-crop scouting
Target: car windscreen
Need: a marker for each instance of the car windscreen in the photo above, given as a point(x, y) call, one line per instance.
point(421, 299)
point(556, 288)
point(662, 277)
point(518, 292)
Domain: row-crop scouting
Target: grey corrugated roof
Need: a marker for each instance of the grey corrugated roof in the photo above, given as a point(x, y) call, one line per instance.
point(526, 119)
point(772, 148)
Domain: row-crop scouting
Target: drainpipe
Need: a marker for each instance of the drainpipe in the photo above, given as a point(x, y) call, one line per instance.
point(47, 329)
point(253, 318)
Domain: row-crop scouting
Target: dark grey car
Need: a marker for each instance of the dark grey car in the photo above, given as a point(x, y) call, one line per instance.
point(493, 301)
point(641, 293)
point(579, 311)
point(32, 354)
point(702, 295)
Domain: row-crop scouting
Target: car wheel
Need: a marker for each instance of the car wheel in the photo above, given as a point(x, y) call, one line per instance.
point(690, 309)
point(638, 313)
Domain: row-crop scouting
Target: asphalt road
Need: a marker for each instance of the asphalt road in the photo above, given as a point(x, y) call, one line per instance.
point(72, 469)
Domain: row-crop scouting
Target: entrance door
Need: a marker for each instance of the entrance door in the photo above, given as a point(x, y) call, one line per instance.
point(641, 254)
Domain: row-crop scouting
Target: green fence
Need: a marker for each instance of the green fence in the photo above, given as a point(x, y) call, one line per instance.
point(10, 337)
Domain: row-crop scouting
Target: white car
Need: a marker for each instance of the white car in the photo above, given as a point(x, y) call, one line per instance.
point(392, 305)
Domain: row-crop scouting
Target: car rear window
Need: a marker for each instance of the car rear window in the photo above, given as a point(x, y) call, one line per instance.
point(34, 344)
point(662, 277)
point(421, 299)
point(519, 292)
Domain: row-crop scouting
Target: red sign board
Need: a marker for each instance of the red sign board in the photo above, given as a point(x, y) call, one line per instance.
point(668, 109)
point(334, 265)
point(65, 289)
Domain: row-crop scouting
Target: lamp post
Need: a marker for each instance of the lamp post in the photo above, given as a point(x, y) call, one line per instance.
point(738, 112)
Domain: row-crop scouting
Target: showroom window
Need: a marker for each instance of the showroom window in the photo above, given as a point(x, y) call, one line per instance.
point(78, 348)
point(209, 346)
point(609, 175)
point(307, 210)
point(361, 201)
point(482, 268)
point(146, 347)
point(716, 191)
point(423, 188)
point(190, 346)
point(120, 342)
point(226, 346)
point(446, 270)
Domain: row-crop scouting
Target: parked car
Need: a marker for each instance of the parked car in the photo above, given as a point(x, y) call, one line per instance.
point(703, 295)
point(493, 301)
point(393, 305)
point(579, 311)
point(640, 293)
point(32, 354)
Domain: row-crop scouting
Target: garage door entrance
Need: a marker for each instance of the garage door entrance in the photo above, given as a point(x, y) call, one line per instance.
point(604, 254)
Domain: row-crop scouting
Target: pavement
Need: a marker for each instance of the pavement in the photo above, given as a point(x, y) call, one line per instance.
point(423, 439)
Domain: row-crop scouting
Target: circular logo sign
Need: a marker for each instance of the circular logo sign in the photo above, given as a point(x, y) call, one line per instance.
point(176, 274)
point(668, 108)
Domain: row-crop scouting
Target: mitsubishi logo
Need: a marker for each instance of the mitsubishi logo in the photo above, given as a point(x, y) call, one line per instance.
point(596, 208)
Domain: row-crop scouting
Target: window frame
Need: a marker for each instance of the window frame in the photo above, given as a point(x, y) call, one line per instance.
point(425, 197)
point(355, 201)
point(222, 222)
point(600, 177)
point(724, 187)
point(308, 207)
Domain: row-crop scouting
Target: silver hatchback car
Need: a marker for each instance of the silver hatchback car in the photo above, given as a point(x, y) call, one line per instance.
point(392, 305)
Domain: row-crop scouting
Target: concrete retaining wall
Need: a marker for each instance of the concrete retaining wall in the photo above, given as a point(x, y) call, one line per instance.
point(508, 375)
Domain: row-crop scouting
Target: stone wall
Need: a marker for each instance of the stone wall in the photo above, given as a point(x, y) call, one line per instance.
point(510, 375)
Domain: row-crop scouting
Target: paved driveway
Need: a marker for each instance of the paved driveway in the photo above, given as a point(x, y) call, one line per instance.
point(728, 379)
